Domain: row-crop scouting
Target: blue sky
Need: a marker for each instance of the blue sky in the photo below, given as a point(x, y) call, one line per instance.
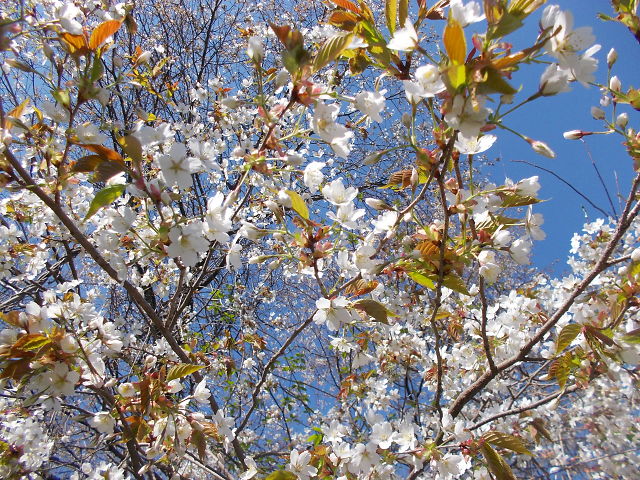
point(546, 120)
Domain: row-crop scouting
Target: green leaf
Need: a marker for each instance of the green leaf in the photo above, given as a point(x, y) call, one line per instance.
point(182, 370)
point(632, 337)
point(457, 75)
point(497, 465)
point(455, 283)
point(560, 369)
point(103, 198)
point(391, 13)
point(132, 147)
point(508, 23)
point(504, 440)
point(567, 335)
point(331, 49)
point(512, 199)
point(421, 279)
point(31, 341)
point(373, 309)
point(298, 205)
point(403, 11)
point(495, 83)
point(281, 475)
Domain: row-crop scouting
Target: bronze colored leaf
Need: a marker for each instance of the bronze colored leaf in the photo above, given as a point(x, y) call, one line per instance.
point(102, 32)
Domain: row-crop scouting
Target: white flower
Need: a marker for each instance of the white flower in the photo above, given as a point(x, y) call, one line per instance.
point(385, 222)
point(466, 14)
point(127, 390)
point(252, 469)
point(428, 84)
point(255, 49)
point(347, 215)
point(62, 380)
point(564, 41)
point(201, 393)
point(233, 258)
point(313, 176)
point(332, 312)
point(187, 242)
point(371, 104)
point(520, 250)
point(382, 435)
point(528, 187)
point(501, 238)
point(451, 466)
point(466, 116)
point(218, 219)
point(489, 269)
point(404, 39)
point(66, 16)
point(335, 134)
point(176, 167)
point(55, 112)
point(299, 465)
point(103, 422)
point(88, 133)
point(336, 194)
point(532, 225)
point(474, 145)
point(554, 80)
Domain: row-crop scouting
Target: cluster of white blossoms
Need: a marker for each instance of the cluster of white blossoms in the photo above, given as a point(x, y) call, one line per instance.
point(384, 331)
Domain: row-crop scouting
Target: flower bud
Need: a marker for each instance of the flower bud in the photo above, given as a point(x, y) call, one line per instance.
point(372, 158)
point(573, 135)
point(615, 84)
point(612, 56)
point(541, 148)
point(415, 178)
point(635, 255)
point(597, 113)
point(143, 57)
point(377, 204)
point(622, 120)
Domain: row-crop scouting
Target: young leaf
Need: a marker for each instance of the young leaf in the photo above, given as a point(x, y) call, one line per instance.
point(632, 337)
point(567, 335)
point(421, 279)
point(497, 465)
point(182, 370)
point(132, 147)
point(454, 42)
point(74, 44)
point(373, 309)
point(102, 32)
point(103, 198)
point(331, 49)
point(281, 475)
point(403, 11)
point(391, 13)
point(347, 5)
point(298, 205)
point(504, 440)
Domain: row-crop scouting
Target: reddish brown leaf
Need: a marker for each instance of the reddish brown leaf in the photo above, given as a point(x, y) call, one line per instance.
point(102, 32)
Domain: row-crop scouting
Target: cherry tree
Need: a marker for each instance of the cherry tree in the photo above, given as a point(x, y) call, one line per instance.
point(240, 243)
